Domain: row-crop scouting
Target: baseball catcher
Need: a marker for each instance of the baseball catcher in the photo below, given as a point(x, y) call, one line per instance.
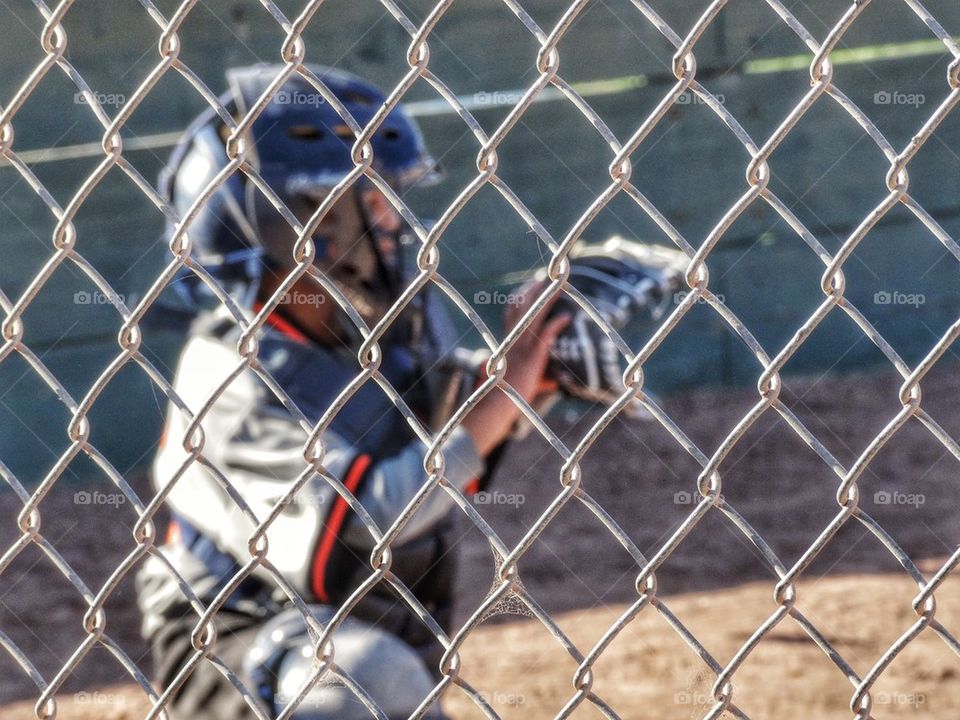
point(255, 430)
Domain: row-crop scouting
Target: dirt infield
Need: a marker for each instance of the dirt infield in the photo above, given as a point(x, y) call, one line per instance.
point(856, 592)
point(648, 666)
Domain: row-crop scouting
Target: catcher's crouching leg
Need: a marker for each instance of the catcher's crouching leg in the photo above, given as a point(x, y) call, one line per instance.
point(389, 670)
point(273, 659)
point(206, 694)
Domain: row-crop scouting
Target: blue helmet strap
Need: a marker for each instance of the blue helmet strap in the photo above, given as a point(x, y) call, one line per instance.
point(388, 274)
point(407, 328)
point(240, 217)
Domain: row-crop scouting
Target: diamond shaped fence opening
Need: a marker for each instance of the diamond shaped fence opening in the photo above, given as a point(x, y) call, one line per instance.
point(799, 156)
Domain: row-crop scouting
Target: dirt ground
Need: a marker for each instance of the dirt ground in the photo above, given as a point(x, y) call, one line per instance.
point(716, 583)
point(647, 672)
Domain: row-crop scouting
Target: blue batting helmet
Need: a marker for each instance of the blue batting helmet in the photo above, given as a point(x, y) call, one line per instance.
point(301, 147)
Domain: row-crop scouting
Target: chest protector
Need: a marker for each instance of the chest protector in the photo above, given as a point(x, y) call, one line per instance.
point(313, 377)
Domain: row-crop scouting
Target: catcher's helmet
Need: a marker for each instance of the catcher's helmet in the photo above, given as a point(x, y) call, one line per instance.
point(630, 284)
point(301, 147)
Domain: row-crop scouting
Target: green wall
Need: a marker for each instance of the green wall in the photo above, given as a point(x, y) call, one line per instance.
point(691, 168)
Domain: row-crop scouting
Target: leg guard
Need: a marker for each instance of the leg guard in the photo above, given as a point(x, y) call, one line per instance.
point(281, 661)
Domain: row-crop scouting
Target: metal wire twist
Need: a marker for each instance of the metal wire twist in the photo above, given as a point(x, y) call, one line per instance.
point(573, 487)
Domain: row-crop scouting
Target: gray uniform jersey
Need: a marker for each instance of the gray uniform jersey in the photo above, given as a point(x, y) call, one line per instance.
point(255, 444)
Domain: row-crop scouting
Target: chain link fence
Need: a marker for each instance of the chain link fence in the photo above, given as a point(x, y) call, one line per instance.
point(572, 486)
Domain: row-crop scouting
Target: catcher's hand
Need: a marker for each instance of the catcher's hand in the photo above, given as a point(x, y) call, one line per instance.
point(492, 420)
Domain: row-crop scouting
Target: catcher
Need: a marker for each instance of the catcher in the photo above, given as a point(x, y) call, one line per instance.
point(253, 439)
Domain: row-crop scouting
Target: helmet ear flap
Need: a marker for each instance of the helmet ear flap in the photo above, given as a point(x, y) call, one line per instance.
point(222, 237)
point(167, 179)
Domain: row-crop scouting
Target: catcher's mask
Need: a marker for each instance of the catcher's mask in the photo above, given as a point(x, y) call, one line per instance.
point(630, 284)
point(301, 147)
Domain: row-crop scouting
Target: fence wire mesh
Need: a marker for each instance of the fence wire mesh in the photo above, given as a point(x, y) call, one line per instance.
point(572, 487)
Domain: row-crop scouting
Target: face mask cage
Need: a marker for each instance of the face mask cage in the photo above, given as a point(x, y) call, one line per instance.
point(370, 259)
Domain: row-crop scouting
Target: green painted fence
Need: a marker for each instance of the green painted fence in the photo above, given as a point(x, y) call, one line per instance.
point(691, 168)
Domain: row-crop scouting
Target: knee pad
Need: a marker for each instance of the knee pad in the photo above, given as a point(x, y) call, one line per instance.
point(281, 660)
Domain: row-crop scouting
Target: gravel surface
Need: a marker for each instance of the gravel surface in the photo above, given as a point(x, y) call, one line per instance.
point(643, 478)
